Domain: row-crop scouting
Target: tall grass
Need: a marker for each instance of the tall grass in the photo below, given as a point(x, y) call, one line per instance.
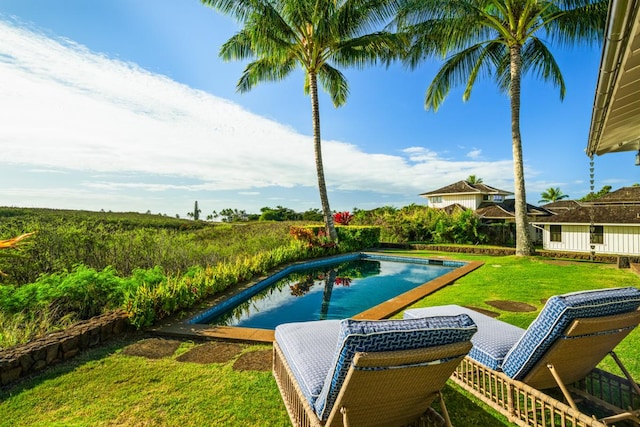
point(98, 240)
point(80, 264)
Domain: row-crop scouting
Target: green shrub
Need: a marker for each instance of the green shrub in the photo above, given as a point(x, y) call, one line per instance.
point(83, 291)
point(152, 301)
point(415, 223)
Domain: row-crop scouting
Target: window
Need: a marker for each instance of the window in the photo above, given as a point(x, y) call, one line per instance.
point(436, 199)
point(556, 233)
point(596, 234)
point(485, 197)
point(498, 198)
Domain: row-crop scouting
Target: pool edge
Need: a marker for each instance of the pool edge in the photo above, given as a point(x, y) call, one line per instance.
point(182, 328)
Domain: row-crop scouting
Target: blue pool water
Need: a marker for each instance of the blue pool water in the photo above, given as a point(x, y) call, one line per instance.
point(337, 288)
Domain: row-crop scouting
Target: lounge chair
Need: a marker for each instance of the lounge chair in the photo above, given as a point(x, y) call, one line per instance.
point(508, 366)
point(368, 372)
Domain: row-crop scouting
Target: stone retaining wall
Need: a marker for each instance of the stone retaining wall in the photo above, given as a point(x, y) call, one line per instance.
point(19, 361)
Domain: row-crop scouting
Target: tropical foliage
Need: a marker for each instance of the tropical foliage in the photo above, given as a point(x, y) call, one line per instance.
point(342, 218)
point(318, 36)
point(503, 39)
point(472, 179)
point(592, 196)
point(416, 223)
point(82, 263)
point(552, 195)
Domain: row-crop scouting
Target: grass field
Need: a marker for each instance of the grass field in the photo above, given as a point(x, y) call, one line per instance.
point(106, 387)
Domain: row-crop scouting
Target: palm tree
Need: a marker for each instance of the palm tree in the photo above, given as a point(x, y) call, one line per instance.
point(552, 195)
point(504, 39)
point(472, 179)
point(318, 35)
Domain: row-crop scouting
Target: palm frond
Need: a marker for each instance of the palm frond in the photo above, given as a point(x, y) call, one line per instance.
point(462, 67)
point(458, 27)
point(334, 82)
point(14, 242)
point(357, 17)
point(237, 47)
point(538, 58)
point(370, 49)
point(584, 22)
point(264, 69)
point(239, 9)
point(491, 56)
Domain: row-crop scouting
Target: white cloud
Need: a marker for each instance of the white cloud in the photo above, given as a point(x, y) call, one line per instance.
point(68, 110)
point(474, 154)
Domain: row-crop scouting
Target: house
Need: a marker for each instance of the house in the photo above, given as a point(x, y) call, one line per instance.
point(505, 213)
point(608, 225)
point(560, 206)
point(465, 194)
point(489, 203)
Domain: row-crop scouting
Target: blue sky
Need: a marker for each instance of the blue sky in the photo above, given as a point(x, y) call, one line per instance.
point(124, 105)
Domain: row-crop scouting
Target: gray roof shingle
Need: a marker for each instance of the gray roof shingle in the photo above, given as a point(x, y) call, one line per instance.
point(463, 187)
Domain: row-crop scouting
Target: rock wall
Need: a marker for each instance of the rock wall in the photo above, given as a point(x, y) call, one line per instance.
point(17, 362)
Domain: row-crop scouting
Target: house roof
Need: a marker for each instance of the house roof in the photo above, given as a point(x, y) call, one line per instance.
point(616, 107)
point(624, 195)
point(560, 206)
point(506, 210)
point(464, 187)
point(598, 214)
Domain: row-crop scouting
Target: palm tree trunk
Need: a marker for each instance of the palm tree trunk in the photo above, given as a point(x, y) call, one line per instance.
point(329, 281)
point(317, 148)
point(523, 241)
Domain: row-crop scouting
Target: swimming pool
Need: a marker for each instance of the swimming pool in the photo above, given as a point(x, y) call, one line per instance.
point(331, 288)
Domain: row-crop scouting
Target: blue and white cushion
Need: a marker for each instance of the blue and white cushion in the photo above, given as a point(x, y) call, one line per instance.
point(557, 314)
point(308, 348)
point(491, 343)
point(386, 335)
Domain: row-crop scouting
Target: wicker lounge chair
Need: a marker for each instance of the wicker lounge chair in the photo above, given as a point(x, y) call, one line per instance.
point(368, 373)
point(508, 366)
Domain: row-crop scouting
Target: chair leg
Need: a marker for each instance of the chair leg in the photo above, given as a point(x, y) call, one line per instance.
point(625, 372)
point(345, 419)
point(563, 387)
point(443, 408)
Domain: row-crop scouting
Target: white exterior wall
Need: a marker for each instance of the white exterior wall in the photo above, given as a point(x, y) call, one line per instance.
point(618, 239)
point(469, 201)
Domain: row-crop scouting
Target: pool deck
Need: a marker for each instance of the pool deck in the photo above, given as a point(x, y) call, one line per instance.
point(182, 329)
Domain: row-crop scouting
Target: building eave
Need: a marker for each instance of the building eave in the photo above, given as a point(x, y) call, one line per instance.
point(614, 124)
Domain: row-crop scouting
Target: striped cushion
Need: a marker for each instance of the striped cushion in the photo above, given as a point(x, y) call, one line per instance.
point(491, 343)
point(386, 335)
point(554, 318)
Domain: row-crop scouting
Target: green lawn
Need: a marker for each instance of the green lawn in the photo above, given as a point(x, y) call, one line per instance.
point(107, 387)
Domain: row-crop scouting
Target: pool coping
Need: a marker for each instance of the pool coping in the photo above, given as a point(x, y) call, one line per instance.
point(182, 328)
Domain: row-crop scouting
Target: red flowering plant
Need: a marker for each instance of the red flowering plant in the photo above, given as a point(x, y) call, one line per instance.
point(343, 281)
point(342, 218)
point(306, 235)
